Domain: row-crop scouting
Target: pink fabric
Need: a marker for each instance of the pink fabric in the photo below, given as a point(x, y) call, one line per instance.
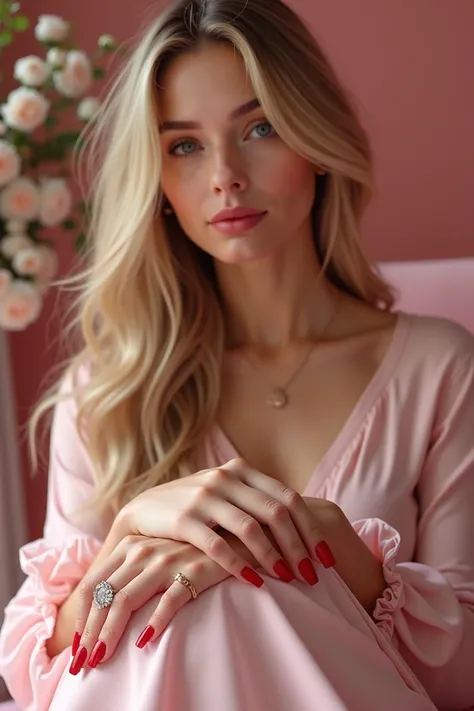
point(402, 469)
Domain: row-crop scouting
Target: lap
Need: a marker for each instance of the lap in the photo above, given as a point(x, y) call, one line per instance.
point(242, 648)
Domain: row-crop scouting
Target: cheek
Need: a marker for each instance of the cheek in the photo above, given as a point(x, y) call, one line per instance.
point(291, 178)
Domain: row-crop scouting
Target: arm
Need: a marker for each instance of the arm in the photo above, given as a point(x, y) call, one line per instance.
point(428, 606)
point(53, 565)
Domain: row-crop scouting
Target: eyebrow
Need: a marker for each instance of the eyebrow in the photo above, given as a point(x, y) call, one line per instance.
point(189, 125)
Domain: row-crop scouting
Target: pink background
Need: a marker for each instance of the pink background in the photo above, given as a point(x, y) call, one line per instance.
point(410, 66)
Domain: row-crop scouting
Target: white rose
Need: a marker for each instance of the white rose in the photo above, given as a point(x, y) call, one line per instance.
point(20, 306)
point(31, 70)
point(5, 281)
point(20, 200)
point(88, 108)
point(26, 109)
point(106, 42)
point(3, 128)
point(9, 246)
point(74, 80)
point(49, 268)
point(56, 57)
point(15, 227)
point(10, 163)
point(28, 262)
point(55, 202)
point(51, 28)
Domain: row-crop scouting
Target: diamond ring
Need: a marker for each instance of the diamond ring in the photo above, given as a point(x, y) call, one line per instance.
point(103, 595)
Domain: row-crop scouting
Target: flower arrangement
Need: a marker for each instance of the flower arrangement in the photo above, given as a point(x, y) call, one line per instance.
point(34, 157)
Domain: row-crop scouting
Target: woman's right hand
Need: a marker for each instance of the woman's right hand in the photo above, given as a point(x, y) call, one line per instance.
point(240, 500)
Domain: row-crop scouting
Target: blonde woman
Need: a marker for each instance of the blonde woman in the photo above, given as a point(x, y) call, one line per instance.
point(261, 478)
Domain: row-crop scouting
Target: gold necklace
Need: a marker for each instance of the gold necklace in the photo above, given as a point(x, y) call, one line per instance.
point(278, 397)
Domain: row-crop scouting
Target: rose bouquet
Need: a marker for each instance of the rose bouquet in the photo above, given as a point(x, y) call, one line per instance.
point(35, 194)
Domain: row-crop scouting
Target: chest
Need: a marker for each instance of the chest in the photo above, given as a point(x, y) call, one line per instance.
point(291, 443)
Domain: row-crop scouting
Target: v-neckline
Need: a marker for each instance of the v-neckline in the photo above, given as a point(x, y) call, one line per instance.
point(371, 394)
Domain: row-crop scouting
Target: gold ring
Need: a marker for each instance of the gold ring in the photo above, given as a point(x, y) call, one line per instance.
point(180, 578)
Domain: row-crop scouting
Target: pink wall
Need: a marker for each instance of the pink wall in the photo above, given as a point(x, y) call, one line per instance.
point(409, 64)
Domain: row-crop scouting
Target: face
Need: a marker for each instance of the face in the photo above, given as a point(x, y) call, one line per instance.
point(219, 151)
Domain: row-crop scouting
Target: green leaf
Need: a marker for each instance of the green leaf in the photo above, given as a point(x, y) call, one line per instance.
point(69, 225)
point(6, 37)
point(51, 121)
point(67, 139)
point(19, 23)
point(98, 73)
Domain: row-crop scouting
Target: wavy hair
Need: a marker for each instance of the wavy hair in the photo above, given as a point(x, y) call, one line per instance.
point(148, 314)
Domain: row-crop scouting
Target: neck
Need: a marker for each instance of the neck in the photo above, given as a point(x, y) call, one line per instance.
point(270, 304)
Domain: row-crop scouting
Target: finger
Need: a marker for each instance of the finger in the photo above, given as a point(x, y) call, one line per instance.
point(97, 619)
point(240, 522)
point(215, 547)
point(172, 600)
point(203, 574)
point(86, 593)
point(277, 517)
point(283, 510)
point(130, 598)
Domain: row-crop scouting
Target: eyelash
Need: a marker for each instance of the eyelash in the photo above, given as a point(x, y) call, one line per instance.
point(183, 141)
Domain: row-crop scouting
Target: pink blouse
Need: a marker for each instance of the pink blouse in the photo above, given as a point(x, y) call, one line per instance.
point(402, 470)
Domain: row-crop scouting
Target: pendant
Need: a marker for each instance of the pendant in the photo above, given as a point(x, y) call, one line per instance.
point(277, 399)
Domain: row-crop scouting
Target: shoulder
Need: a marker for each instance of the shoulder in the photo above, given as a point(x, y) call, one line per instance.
point(438, 343)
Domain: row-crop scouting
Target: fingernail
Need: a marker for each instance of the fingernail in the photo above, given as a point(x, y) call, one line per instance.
point(145, 636)
point(325, 555)
point(252, 577)
point(75, 643)
point(78, 661)
point(98, 653)
point(308, 572)
point(283, 571)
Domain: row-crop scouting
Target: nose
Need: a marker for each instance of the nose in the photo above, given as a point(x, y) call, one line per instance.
point(227, 175)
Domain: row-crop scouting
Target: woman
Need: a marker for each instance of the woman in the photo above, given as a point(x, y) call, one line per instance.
point(261, 479)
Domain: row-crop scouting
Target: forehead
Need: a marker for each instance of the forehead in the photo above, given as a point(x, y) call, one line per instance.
point(208, 81)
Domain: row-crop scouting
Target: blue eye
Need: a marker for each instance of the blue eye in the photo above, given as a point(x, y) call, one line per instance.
point(268, 129)
point(182, 144)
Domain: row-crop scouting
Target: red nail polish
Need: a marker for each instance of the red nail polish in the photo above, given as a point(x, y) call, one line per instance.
point(252, 577)
point(308, 572)
point(325, 555)
point(78, 661)
point(283, 571)
point(98, 653)
point(75, 643)
point(145, 636)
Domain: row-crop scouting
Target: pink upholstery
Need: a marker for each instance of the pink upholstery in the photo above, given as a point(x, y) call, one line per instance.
point(435, 288)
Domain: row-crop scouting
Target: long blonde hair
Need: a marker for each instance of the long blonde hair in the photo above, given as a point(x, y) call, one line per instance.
point(148, 314)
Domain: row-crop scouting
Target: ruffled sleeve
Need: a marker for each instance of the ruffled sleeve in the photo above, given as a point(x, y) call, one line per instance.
point(53, 566)
point(418, 608)
point(52, 574)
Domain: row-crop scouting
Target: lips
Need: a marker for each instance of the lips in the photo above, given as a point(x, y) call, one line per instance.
point(235, 213)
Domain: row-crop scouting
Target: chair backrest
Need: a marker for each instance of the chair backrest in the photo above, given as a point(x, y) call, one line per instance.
point(435, 288)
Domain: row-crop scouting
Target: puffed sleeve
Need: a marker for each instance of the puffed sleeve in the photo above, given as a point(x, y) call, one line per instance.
point(427, 608)
point(53, 566)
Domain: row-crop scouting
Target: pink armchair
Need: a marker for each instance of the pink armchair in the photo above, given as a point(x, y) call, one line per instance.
point(433, 288)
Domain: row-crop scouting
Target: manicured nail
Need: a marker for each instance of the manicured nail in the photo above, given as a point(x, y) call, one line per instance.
point(308, 572)
point(78, 661)
point(75, 643)
point(252, 577)
point(145, 636)
point(283, 571)
point(98, 653)
point(325, 555)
